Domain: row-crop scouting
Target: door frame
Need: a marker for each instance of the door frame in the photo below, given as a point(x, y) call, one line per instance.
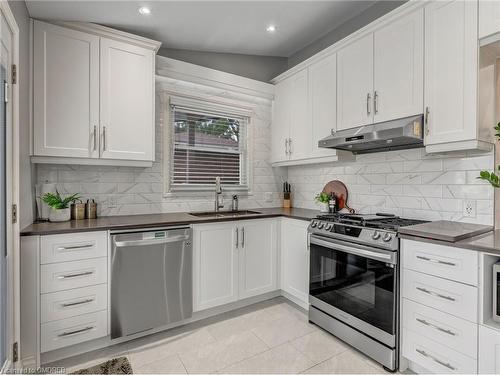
point(13, 244)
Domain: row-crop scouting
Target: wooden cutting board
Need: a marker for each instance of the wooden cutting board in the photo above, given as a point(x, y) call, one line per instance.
point(340, 190)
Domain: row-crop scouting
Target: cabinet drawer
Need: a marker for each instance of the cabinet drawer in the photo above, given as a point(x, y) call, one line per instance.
point(453, 332)
point(435, 357)
point(71, 331)
point(70, 275)
point(68, 303)
point(443, 261)
point(74, 246)
point(453, 298)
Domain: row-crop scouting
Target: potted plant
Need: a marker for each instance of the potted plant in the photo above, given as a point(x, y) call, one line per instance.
point(491, 177)
point(59, 206)
point(322, 199)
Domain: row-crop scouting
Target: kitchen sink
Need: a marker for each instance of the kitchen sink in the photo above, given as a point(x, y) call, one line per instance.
point(225, 213)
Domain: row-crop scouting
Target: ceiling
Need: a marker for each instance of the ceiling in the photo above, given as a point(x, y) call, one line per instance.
point(213, 26)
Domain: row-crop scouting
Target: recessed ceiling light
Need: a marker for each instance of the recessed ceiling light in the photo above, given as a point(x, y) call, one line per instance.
point(271, 29)
point(144, 10)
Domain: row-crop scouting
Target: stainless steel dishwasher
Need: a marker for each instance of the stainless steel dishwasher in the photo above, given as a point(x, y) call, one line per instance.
point(151, 279)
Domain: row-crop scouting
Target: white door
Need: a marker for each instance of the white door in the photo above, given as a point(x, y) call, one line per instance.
point(127, 101)
point(299, 146)
point(257, 257)
point(451, 54)
point(215, 267)
point(489, 17)
point(399, 68)
point(9, 188)
point(355, 84)
point(295, 260)
point(65, 92)
point(323, 101)
point(280, 128)
point(489, 351)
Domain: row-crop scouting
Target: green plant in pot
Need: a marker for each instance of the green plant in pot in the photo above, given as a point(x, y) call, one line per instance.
point(492, 177)
point(60, 210)
point(322, 199)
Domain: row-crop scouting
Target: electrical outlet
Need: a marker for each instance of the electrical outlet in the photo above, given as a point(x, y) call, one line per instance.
point(112, 202)
point(469, 208)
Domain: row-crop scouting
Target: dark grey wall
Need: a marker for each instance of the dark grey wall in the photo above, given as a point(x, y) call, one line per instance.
point(261, 68)
point(364, 18)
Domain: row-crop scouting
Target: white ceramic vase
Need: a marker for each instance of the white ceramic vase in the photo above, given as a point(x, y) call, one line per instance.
point(324, 207)
point(58, 215)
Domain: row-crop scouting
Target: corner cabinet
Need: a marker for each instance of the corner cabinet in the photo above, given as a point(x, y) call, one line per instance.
point(489, 17)
point(233, 261)
point(93, 95)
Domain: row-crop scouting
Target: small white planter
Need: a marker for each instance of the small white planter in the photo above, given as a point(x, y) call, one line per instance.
point(56, 215)
point(323, 207)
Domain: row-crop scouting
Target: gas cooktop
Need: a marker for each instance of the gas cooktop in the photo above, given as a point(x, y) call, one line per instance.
point(379, 221)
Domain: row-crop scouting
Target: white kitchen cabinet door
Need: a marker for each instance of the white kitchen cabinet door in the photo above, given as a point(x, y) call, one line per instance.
point(299, 146)
point(280, 128)
point(215, 267)
point(451, 54)
point(489, 17)
point(257, 257)
point(399, 68)
point(323, 101)
point(65, 92)
point(489, 351)
point(295, 260)
point(355, 84)
point(127, 101)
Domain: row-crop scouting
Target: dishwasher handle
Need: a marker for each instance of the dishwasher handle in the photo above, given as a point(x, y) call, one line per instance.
point(152, 241)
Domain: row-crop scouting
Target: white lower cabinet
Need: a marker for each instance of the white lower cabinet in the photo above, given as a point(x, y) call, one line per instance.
point(489, 350)
point(295, 260)
point(233, 260)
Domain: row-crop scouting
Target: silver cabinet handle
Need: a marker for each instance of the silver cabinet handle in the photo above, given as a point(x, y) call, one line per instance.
point(375, 102)
point(104, 141)
point(243, 237)
point(447, 263)
point(368, 98)
point(71, 275)
point(425, 354)
point(70, 304)
point(286, 146)
point(237, 237)
point(426, 120)
point(290, 146)
point(95, 138)
point(75, 247)
point(70, 333)
point(449, 298)
point(421, 257)
point(444, 330)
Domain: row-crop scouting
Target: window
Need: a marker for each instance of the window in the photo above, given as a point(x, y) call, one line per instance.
point(206, 143)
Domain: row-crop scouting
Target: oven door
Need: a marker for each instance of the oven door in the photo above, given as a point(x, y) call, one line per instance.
point(356, 284)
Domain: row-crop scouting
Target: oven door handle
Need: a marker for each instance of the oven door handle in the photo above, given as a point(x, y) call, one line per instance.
point(367, 252)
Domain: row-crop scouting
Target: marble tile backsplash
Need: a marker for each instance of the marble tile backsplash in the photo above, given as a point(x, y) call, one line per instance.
point(409, 183)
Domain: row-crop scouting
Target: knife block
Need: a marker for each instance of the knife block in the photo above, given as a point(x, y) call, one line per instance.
point(287, 202)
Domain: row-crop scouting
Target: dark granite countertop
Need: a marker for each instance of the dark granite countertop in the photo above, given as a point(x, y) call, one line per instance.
point(443, 230)
point(156, 220)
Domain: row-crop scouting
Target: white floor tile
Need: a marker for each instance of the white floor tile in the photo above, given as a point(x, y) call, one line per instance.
point(319, 346)
point(279, 331)
point(169, 365)
point(348, 362)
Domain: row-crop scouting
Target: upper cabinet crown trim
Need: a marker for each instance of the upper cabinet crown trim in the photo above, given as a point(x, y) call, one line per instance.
point(392, 16)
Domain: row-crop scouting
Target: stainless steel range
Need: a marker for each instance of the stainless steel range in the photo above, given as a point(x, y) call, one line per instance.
point(354, 281)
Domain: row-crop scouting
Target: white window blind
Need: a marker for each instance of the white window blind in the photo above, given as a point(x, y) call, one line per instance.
point(206, 144)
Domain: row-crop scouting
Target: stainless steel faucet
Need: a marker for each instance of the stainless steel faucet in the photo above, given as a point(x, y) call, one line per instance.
point(219, 200)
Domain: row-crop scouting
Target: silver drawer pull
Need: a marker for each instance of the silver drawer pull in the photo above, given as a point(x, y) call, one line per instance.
point(421, 257)
point(425, 354)
point(425, 322)
point(70, 333)
point(69, 304)
point(71, 275)
point(75, 247)
point(449, 298)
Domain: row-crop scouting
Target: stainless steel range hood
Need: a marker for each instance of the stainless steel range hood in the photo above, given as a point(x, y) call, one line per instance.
point(391, 135)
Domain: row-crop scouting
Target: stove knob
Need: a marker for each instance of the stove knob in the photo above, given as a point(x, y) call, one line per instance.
point(387, 237)
point(313, 224)
point(328, 226)
point(321, 225)
point(376, 235)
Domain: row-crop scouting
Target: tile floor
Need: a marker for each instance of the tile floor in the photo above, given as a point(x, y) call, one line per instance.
point(270, 337)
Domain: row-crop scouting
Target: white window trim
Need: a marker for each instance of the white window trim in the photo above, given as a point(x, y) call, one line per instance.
point(166, 99)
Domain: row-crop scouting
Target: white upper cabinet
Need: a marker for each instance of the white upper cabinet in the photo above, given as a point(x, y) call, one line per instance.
point(93, 95)
point(355, 84)
point(280, 129)
point(399, 68)
point(451, 55)
point(489, 17)
point(299, 143)
point(66, 92)
point(127, 101)
point(322, 101)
